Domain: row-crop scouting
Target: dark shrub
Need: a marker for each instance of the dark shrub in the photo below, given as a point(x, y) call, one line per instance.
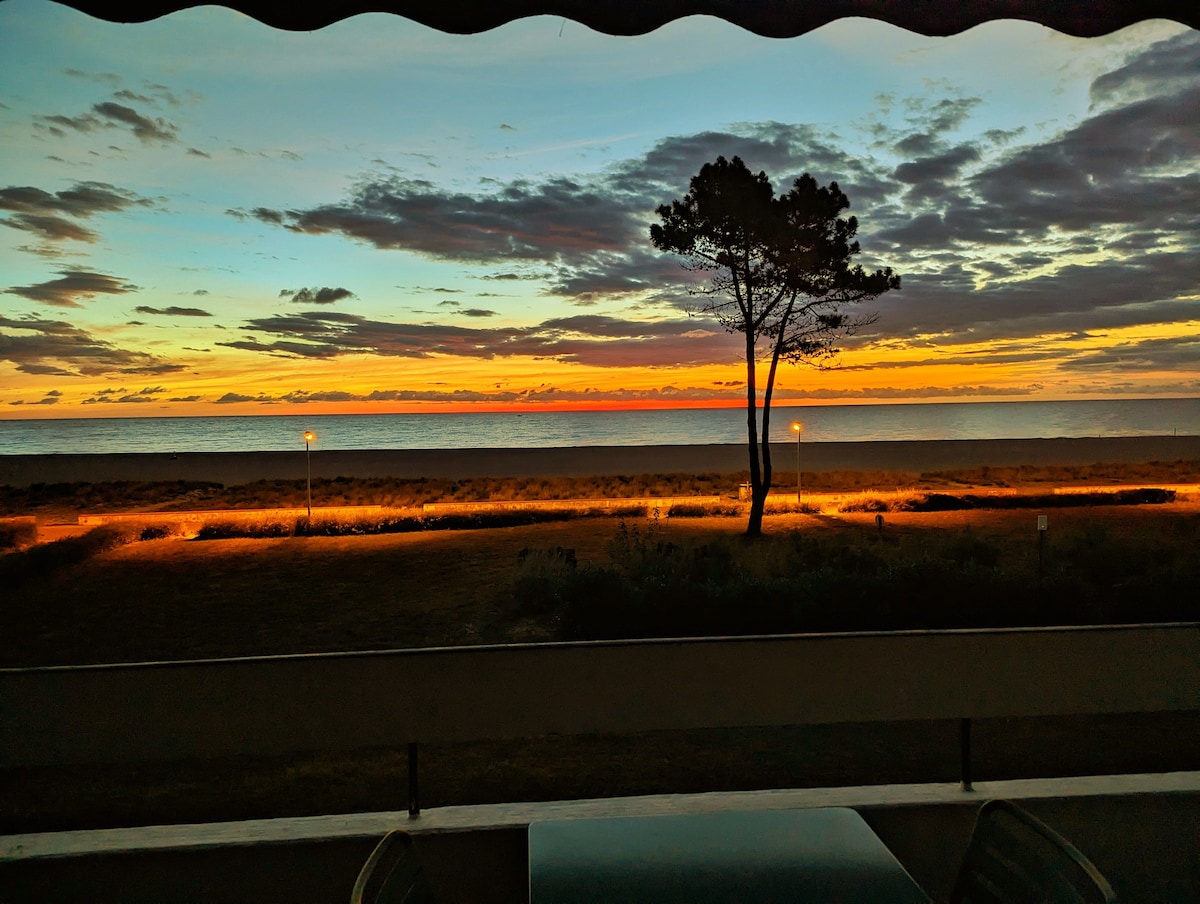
point(48, 558)
point(16, 533)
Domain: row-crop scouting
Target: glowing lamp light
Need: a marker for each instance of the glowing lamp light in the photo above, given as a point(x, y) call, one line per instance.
point(309, 436)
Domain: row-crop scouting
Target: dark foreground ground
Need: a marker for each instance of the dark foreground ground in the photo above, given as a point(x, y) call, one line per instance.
point(175, 599)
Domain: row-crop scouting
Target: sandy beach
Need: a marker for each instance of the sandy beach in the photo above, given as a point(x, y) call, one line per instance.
point(232, 468)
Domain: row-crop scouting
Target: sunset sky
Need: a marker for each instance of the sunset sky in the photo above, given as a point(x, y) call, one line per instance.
point(205, 215)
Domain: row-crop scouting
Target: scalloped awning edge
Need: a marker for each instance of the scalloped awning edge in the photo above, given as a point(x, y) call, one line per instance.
point(770, 18)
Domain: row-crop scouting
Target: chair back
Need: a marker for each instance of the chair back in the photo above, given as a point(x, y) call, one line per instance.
point(392, 874)
point(1015, 858)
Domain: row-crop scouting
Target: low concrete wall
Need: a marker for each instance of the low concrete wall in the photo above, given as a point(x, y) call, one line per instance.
point(273, 514)
point(646, 502)
point(1144, 843)
point(328, 702)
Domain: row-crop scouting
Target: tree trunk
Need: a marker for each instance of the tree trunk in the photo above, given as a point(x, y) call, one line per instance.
point(758, 503)
point(758, 495)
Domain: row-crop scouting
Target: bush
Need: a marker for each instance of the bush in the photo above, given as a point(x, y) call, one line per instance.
point(236, 529)
point(48, 558)
point(797, 583)
point(541, 577)
point(17, 533)
point(864, 503)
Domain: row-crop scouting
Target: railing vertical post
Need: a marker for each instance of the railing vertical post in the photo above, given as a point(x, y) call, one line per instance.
point(964, 736)
point(414, 804)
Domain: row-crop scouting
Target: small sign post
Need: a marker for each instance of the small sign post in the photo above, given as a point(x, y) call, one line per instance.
point(1042, 524)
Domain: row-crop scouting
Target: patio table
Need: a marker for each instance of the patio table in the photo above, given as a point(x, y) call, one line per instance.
point(816, 856)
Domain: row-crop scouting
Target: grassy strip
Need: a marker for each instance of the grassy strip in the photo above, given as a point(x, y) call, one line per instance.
point(404, 493)
point(22, 564)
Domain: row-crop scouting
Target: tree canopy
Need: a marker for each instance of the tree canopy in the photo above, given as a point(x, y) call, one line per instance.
point(780, 274)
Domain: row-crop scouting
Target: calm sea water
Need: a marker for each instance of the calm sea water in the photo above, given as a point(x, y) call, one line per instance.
point(964, 420)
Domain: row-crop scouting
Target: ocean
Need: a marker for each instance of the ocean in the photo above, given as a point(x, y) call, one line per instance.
point(824, 423)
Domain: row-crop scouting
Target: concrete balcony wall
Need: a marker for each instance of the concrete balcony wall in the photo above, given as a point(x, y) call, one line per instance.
point(1143, 832)
point(349, 701)
point(1145, 836)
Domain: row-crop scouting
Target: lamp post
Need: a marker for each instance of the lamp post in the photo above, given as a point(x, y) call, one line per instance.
point(797, 428)
point(309, 436)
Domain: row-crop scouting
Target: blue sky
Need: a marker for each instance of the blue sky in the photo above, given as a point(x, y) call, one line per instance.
point(209, 215)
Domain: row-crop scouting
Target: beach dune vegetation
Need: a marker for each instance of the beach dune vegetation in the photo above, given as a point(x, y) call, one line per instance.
point(654, 586)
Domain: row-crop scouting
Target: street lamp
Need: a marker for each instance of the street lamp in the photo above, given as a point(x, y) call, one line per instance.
point(309, 436)
point(797, 428)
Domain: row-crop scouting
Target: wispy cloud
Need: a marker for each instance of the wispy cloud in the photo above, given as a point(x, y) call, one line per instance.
point(112, 115)
point(55, 347)
point(45, 213)
point(71, 286)
point(596, 340)
point(172, 311)
point(322, 295)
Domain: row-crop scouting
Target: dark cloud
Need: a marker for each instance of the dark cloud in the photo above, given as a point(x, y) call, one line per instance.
point(1163, 354)
point(513, 276)
point(591, 232)
point(595, 340)
point(926, 176)
point(662, 395)
point(1110, 295)
point(49, 399)
point(126, 94)
point(478, 312)
point(110, 115)
point(601, 276)
point(54, 347)
point(50, 228)
point(556, 218)
point(323, 295)
point(102, 78)
point(71, 286)
point(165, 93)
point(50, 370)
point(942, 114)
point(1173, 62)
point(45, 214)
point(122, 397)
point(1130, 166)
point(173, 311)
point(144, 128)
point(231, 397)
point(194, 152)
point(1109, 207)
point(1095, 227)
point(544, 393)
point(911, 392)
point(56, 123)
point(270, 217)
point(917, 144)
